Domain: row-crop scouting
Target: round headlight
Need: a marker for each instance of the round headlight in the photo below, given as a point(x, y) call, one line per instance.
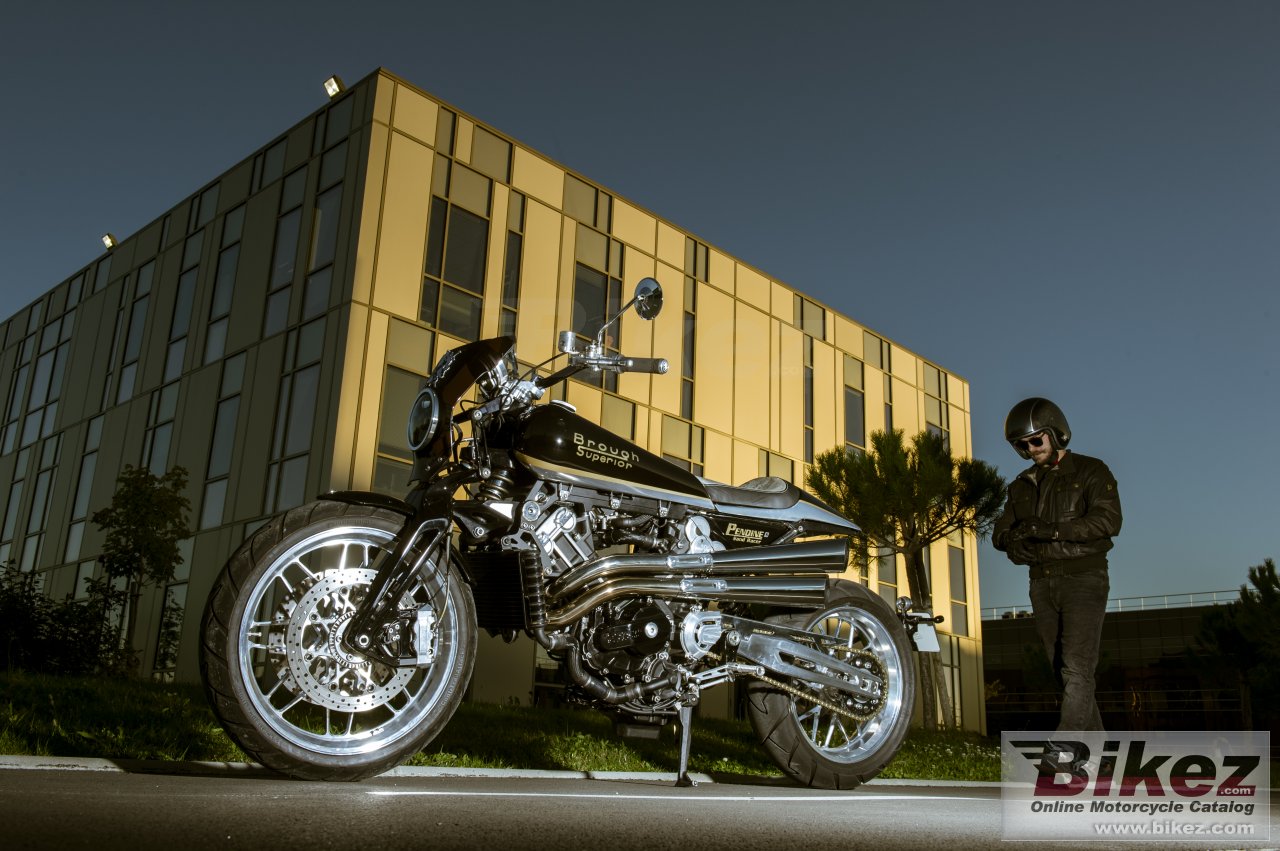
point(424, 418)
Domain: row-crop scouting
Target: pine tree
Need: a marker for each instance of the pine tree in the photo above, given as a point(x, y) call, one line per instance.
point(903, 498)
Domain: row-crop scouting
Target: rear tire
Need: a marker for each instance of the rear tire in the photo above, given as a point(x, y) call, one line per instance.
point(817, 747)
point(274, 668)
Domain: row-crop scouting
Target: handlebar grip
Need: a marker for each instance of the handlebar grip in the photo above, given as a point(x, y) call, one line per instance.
point(657, 366)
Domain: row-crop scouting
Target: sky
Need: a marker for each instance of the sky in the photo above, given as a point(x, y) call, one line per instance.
point(1073, 200)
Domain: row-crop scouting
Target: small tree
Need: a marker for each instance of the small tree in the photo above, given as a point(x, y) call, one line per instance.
point(145, 521)
point(1239, 642)
point(904, 498)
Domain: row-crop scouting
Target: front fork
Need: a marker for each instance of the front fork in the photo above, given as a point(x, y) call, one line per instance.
point(378, 622)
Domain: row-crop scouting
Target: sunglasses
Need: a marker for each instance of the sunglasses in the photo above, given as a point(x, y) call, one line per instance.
point(1036, 440)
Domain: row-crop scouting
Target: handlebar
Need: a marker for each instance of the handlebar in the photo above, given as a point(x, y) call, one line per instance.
point(657, 366)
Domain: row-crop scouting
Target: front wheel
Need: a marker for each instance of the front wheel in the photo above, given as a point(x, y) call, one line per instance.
point(273, 662)
point(810, 741)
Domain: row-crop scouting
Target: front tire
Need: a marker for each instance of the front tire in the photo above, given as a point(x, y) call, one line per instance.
point(820, 748)
point(274, 667)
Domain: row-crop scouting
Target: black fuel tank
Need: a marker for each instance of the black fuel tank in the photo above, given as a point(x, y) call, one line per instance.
point(557, 444)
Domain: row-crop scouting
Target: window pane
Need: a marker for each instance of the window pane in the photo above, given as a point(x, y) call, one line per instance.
point(87, 467)
point(224, 436)
point(277, 313)
point(324, 230)
point(956, 558)
point(333, 165)
point(183, 304)
point(435, 236)
point(579, 199)
point(302, 408)
point(215, 343)
point(619, 416)
point(469, 189)
point(589, 291)
point(286, 249)
point(467, 242)
point(137, 323)
point(490, 154)
point(215, 497)
point(315, 295)
point(293, 483)
point(459, 314)
point(398, 393)
point(225, 282)
point(855, 425)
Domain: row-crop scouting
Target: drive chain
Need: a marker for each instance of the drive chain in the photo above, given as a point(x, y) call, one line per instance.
point(808, 695)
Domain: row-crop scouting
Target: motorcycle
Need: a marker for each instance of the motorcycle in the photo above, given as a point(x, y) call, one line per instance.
point(340, 638)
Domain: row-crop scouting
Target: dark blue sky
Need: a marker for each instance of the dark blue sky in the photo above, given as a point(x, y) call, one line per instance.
point(1077, 200)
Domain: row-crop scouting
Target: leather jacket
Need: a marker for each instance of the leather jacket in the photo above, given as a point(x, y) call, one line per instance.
point(1077, 499)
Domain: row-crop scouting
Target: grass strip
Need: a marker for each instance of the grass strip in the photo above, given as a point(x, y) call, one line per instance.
point(43, 715)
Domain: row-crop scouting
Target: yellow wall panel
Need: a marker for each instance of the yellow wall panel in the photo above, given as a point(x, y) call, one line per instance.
point(873, 399)
point(782, 302)
point(955, 392)
point(643, 415)
point(746, 462)
point(397, 285)
point(409, 346)
point(791, 387)
point(491, 306)
point(585, 398)
point(536, 177)
point(720, 271)
point(536, 319)
point(465, 132)
point(634, 227)
point(961, 445)
point(752, 287)
point(906, 366)
point(384, 94)
point(415, 115)
point(717, 455)
point(751, 397)
point(775, 386)
point(366, 431)
point(367, 244)
point(849, 336)
point(636, 334)
point(828, 397)
point(667, 333)
point(712, 388)
point(906, 407)
point(565, 276)
point(671, 246)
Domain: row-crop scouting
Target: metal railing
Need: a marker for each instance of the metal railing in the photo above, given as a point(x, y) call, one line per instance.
point(1129, 604)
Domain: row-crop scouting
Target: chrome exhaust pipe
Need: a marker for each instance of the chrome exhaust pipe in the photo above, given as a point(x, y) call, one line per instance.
point(797, 591)
point(811, 557)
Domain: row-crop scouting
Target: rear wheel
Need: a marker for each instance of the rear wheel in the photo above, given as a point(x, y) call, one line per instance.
point(276, 671)
point(801, 729)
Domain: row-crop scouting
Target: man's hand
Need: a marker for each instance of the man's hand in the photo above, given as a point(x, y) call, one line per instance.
point(1032, 530)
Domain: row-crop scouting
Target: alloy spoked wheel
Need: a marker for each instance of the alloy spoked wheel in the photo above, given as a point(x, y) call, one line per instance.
point(826, 737)
point(850, 735)
point(300, 700)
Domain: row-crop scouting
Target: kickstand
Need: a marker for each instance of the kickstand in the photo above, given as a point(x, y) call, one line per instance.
point(686, 742)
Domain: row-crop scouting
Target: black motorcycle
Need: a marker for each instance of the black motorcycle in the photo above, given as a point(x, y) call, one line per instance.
point(339, 639)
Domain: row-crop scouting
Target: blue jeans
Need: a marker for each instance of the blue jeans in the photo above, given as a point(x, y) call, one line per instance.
point(1068, 612)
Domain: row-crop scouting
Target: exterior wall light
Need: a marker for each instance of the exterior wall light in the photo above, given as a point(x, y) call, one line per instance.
point(334, 86)
point(110, 241)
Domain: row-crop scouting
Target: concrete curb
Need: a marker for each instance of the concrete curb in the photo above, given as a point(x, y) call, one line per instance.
point(248, 769)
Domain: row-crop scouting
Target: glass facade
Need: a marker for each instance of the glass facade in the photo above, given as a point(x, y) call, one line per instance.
point(268, 333)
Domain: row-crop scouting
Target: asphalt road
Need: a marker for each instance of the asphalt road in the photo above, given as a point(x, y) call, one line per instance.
point(47, 809)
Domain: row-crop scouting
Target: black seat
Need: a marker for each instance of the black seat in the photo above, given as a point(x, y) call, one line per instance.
point(764, 492)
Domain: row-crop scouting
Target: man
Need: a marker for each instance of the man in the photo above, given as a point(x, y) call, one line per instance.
point(1060, 517)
